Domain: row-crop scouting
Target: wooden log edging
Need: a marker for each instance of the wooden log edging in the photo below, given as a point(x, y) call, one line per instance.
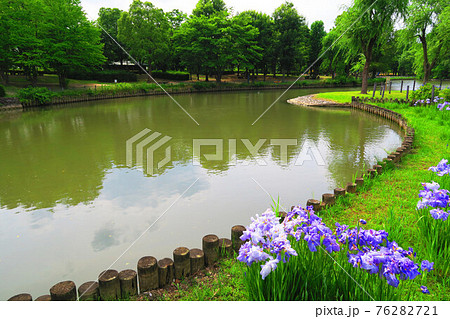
point(151, 274)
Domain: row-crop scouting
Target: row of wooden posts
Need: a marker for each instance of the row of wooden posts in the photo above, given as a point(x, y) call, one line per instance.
point(151, 273)
point(383, 89)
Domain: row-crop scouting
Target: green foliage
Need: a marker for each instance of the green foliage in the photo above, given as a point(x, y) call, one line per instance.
point(292, 37)
point(171, 75)
point(204, 85)
point(424, 92)
point(317, 34)
point(37, 95)
point(2, 91)
point(104, 76)
point(107, 21)
point(145, 30)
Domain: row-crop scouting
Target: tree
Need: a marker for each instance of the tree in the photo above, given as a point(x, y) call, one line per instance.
point(8, 37)
point(293, 35)
point(368, 24)
point(21, 34)
point(264, 39)
point(144, 29)
point(107, 20)
point(247, 52)
point(422, 22)
point(209, 8)
point(175, 18)
point(317, 34)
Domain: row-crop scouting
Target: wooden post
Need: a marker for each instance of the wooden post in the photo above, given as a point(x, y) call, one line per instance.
point(128, 283)
point(21, 297)
point(359, 181)
point(432, 93)
point(384, 89)
point(378, 168)
point(328, 199)
point(390, 86)
point(401, 87)
point(407, 92)
point(371, 173)
point(339, 192)
point(440, 85)
point(109, 285)
point(225, 249)
point(165, 272)
point(181, 262)
point(210, 245)
point(374, 89)
point(314, 203)
point(44, 298)
point(197, 260)
point(64, 291)
point(236, 233)
point(89, 291)
point(148, 273)
point(351, 188)
point(414, 85)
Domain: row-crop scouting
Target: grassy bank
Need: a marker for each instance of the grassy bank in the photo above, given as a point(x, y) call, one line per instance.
point(390, 202)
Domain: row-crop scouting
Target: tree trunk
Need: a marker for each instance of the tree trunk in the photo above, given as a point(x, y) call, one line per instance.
point(426, 63)
point(198, 76)
point(206, 77)
point(365, 73)
point(149, 70)
point(218, 77)
point(62, 80)
point(5, 77)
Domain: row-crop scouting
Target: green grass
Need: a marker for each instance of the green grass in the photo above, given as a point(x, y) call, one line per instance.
point(345, 97)
point(224, 284)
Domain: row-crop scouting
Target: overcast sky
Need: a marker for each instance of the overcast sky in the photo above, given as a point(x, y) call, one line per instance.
point(312, 10)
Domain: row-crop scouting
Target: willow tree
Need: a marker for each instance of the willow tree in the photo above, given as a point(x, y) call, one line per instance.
point(422, 23)
point(366, 25)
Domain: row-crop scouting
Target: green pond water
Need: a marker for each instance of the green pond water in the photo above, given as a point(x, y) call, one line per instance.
point(70, 206)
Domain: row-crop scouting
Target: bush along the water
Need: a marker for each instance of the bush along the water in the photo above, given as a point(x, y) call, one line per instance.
point(300, 258)
point(35, 95)
point(433, 211)
point(424, 95)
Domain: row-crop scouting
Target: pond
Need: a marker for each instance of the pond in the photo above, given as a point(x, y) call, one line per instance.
point(70, 206)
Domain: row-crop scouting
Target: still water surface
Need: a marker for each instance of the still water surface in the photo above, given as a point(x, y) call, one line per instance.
point(69, 205)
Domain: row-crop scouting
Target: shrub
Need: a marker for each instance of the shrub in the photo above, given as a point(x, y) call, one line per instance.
point(2, 91)
point(38, 95)
point(171, 75)
point(104, 76)
point(204, 85)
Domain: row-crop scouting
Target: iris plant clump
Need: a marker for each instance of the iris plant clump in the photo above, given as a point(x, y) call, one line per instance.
point(433, 222)
point(303, 244)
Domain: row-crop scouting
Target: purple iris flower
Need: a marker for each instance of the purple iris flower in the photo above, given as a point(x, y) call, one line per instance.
point(426, 265)
point(424, 289)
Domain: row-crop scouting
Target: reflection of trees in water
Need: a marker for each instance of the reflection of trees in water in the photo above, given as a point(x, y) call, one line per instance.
point(62, 155)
